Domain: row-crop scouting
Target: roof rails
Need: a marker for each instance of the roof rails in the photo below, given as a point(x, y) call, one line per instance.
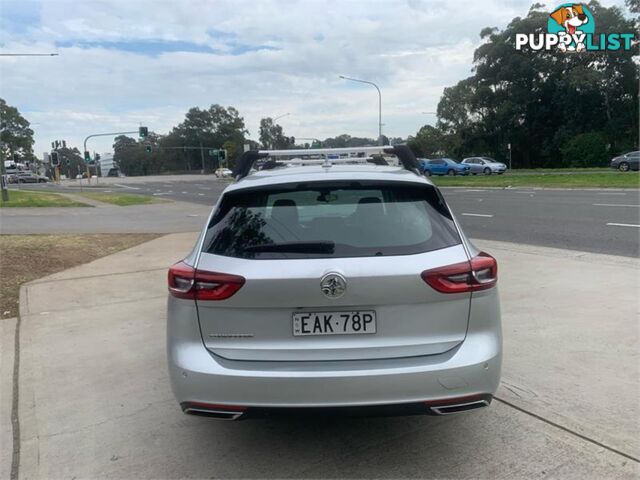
point(324, 156)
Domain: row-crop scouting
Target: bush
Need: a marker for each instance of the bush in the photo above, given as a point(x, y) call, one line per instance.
point(586, 150)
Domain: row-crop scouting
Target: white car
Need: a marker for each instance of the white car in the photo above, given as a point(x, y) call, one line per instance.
point(484, 165)
point(333, 286)
point(223, 172)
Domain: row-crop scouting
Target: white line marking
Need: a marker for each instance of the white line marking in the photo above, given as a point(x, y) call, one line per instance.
point(161, 193)
point(614, 205)
point(126, 186)
point(623, 225)
point(201, 194)
point(476, 190)
point(477, 215)
point(612, 193)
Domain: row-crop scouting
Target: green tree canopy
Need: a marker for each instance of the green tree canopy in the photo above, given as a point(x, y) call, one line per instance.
point(272, 136)
point(539, 101)
point(15, 134)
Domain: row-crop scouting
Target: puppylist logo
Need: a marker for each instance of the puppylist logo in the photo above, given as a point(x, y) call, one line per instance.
point(571, 28)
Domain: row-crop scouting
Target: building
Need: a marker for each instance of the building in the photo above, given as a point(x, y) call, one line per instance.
point(106, 163)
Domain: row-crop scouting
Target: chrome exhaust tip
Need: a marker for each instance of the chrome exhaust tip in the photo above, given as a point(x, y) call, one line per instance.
point(458, 405)
point(221, 412)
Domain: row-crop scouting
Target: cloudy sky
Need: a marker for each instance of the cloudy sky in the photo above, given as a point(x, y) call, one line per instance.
point(129, 62)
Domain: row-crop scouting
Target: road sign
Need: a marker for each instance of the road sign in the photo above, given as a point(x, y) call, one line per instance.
point(213, 152)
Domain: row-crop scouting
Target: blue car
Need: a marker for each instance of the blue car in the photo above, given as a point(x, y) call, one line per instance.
point(443, 166)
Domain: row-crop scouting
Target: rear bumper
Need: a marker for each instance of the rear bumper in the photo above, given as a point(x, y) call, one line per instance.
point(197, 375)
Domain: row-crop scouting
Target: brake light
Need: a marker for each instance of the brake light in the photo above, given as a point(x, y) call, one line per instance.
point(187, 282)
point(481, 273)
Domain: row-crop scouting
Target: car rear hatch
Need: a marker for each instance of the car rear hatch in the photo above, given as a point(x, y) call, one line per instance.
point(314, 262)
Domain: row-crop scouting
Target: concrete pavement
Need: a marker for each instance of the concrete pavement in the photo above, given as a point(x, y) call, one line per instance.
point(95, 399)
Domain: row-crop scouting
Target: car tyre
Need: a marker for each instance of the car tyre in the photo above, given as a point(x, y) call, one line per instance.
point(487, 171)
point(623, 167)
point(451, 172)
point(427, 173)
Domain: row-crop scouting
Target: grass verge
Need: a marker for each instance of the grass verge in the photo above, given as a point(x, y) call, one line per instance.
point(24, 258)
point(577, 180)
point(23, 198)
point(123, 199)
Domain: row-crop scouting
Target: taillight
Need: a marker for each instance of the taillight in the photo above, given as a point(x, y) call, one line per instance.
point(481, 273)
point(187, 282)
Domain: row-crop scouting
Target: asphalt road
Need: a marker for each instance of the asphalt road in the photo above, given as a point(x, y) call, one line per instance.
point(597, 221)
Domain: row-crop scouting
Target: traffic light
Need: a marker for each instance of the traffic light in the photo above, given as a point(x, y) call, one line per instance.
point(55, 160)
point(68, 162)
point(222, 154)
point(143, 132)
point(87, 156)
point(148, 148)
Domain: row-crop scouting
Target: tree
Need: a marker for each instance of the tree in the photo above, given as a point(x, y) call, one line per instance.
point(344, 140)
point(71, 162)
point(540, 101)
point(586, 150)
point(209, 128)
point(15, 134)
point(272, 136)
point(429, 142)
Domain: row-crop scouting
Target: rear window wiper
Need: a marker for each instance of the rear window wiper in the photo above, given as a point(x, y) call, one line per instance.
point(294, 247)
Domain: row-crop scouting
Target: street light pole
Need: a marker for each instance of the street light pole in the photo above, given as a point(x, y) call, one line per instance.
point(280, 116)
point(379, 102)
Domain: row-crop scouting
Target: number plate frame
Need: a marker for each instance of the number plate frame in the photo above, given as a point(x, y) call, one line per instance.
point(334, 323)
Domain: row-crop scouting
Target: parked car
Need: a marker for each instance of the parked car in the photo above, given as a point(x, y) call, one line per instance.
point(339, 287)
point(626, 162)
point(485, 165)
point(443, 166)
point(223, 172)
point(114, 172)
point(30, 177)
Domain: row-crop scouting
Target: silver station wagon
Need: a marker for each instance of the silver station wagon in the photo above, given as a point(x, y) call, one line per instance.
point(333, 280)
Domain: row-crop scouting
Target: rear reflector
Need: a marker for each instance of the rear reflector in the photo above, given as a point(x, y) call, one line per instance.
point(187, 282)
point(481, 273)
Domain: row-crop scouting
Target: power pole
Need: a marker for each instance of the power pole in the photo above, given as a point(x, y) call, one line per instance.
point(202, 157)
point(3, 177)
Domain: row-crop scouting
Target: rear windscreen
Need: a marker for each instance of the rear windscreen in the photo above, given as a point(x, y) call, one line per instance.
point(316, 220)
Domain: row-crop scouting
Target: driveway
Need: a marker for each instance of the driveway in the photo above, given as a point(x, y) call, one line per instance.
point(94, 399)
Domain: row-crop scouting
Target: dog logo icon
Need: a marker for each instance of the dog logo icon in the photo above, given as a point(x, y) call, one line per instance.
point(573, 22)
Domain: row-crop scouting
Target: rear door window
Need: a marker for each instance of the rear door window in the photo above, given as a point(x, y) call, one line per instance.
point(316, 220)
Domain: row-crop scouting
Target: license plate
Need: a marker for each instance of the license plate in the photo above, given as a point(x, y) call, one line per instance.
point(334, 323)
